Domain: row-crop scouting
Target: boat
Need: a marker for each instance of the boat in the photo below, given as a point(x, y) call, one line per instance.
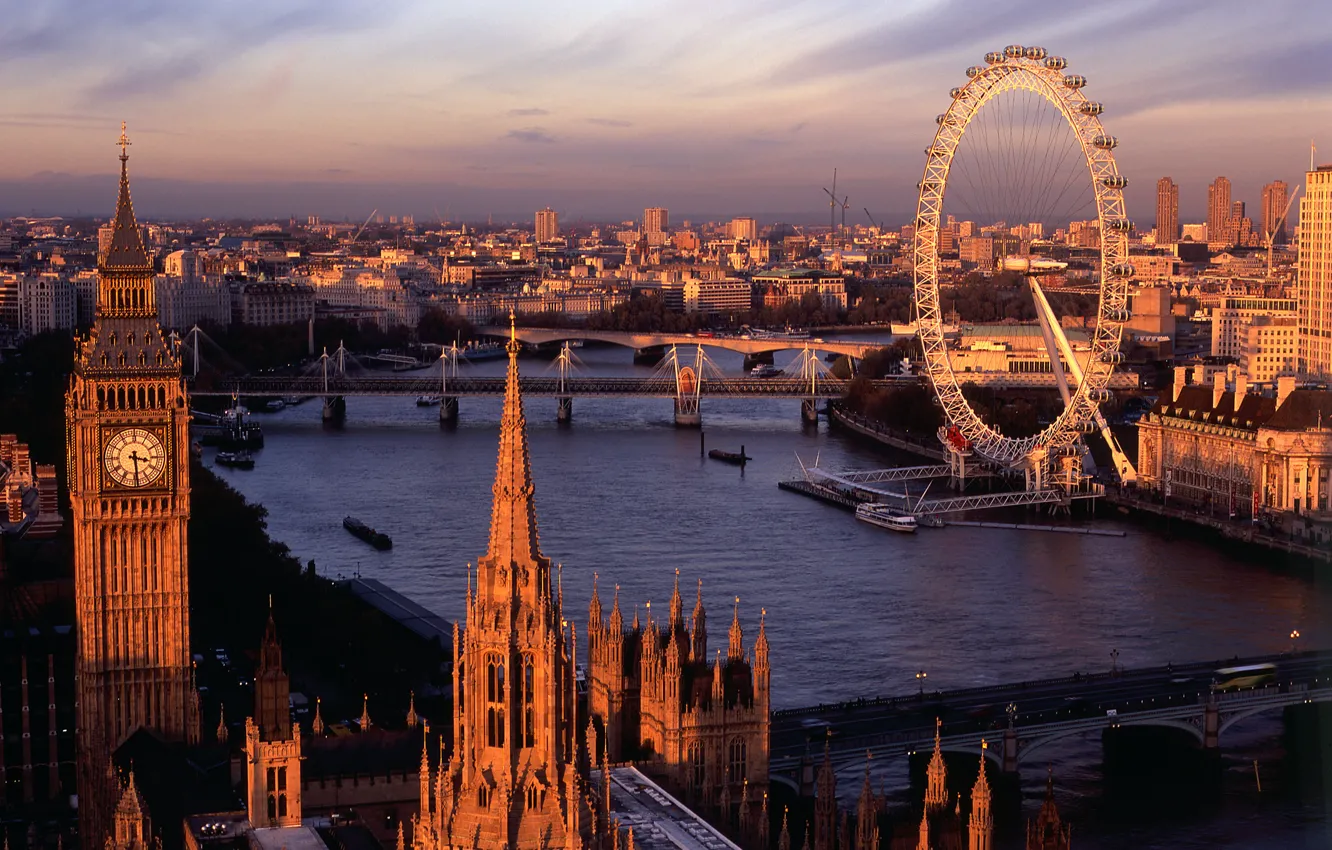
point(764, 370)
point(235, 460)
point(428, 400)
point(376, 539)
point(738, 458)
point(235, 432)
point(874, 515)
point(275, 405)
point(293, 400)
point(483, 351)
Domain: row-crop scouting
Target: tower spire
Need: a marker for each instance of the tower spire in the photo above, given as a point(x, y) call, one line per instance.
point(980, 826)
point(513, 526)
point(736, 650)
point(936, 787)
point(126, 251)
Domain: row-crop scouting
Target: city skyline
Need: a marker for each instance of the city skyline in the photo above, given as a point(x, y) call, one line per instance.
point(601, 115)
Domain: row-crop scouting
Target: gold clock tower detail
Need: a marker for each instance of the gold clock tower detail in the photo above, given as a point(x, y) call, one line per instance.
point(127, 435)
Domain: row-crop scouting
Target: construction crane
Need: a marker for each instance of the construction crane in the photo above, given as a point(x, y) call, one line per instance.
point(870, 216)
point(363, 224)
point(832, 206)
point(1276, 226)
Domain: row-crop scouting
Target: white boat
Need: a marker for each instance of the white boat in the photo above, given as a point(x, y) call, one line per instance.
point(764, 370)
point(874, 515)
point(428, 400)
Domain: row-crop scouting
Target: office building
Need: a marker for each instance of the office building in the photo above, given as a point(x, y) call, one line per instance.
point(655, 220)
point(744, 228)
point(1233, 316)
point(1218, 210)
point(1313, 285)
point(547, 225)
point(1275, 198)
point(1167, 211)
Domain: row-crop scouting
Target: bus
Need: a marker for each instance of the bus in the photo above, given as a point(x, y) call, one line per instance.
point(1250, 676)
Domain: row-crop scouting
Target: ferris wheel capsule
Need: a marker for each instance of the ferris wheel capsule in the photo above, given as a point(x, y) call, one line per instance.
point(1114, 181)
point(1118, 315)
point(1105, 143)
point(1100, 395)
point(975, 71)
point(994, 58)
point(1014, 51)
point(1056, 63)
point(1035, 54)
point(1114, 358)
point(1074, 81)
point(1092, 108)
point(1123, 270)
point(1123, 225)
point(954, 92)
point(1085, 427)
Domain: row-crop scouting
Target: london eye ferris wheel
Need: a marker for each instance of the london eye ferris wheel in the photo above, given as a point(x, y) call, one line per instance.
point(1021, 149)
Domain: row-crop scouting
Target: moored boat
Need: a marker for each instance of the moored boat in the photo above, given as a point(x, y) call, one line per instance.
point(739, 458)
point(875, 515)
point(427, 400)
point(235, 460)
point(377, 539)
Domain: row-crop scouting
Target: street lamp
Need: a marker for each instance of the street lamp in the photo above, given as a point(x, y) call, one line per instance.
point(1011, 711)
point(1294, 641)
point(1114, 662)
point(921, 675)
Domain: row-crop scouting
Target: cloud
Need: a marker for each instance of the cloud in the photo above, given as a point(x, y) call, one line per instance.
point(530, 111)
point(531, 135)
point(610, 122)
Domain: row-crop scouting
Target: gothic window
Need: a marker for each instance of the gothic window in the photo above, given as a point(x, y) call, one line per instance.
point(697, 771)
point(738, 762)
point(282, 805)
point(495, 718)
point(528, 698)
point(531, 797)
point(483, 796)
point(282, 779)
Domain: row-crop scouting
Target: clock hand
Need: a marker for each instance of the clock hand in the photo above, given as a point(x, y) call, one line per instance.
point(134, 456)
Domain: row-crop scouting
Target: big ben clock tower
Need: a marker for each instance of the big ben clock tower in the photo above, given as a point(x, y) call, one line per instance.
point(127, 434)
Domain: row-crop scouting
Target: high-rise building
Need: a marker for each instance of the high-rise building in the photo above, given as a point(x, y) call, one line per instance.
point(512, 780)
point(129, 444)
point(1275, 197)
point(655, 220)
point(1313, 285)
point(1167, 211)
point(547, 225)
point(1218, 210)
point(743, 227)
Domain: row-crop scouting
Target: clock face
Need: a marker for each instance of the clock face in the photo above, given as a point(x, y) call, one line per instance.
point(134, 457)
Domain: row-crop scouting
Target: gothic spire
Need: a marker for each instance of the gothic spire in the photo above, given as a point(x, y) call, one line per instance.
point(222, 723)
point(737, 648)
point(317, 725)
point(411, 711)
point(513, 527)
point(594, 607)
point(677, 607)
point(936, 787)
point(126, 251)
point(980, 826)
point(699, 628)
point(616, 618)
point(365, 712)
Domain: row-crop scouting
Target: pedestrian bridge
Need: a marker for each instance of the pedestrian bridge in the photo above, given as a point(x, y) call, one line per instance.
point(643, 341)
point(1020, 719)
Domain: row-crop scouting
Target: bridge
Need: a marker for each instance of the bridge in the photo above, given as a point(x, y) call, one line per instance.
point(806, 379)
point(749, 346)
point(1019, 719)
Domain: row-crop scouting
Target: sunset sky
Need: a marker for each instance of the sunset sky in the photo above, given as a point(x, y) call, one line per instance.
point(598, 109)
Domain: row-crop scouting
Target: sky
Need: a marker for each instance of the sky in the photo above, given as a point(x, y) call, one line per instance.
point(465, 109)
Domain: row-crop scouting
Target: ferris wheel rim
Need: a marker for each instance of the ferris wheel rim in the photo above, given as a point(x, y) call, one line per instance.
point(1030, 69)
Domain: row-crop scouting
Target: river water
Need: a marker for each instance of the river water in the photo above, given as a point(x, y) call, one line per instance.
point(852, 610)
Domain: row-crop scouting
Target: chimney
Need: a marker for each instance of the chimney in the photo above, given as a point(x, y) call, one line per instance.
point(1285, 386)
point(1218, 388)
point(1241, 389)
point(1181, 381)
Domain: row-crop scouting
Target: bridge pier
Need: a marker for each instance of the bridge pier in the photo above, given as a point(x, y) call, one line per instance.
point(687, 413)
point(564, 409)
point(1010, 760)
point(809, 411)
point(1211, 726)
point(448, 409)
point(335, 408)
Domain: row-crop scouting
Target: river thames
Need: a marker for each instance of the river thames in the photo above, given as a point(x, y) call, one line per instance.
point(852, 610)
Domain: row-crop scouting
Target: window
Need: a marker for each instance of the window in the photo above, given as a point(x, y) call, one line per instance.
point(528, 684)
point(739, 763)
point(483, 796)
point(697, 769)
point(495, 718)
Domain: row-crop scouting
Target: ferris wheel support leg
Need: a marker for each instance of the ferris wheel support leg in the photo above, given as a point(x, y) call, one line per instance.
point(809, 411)
point(957, 462)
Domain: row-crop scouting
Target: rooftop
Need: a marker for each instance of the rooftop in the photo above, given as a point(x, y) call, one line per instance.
point(301, 837)
point(659, 821)
point(419, 619)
